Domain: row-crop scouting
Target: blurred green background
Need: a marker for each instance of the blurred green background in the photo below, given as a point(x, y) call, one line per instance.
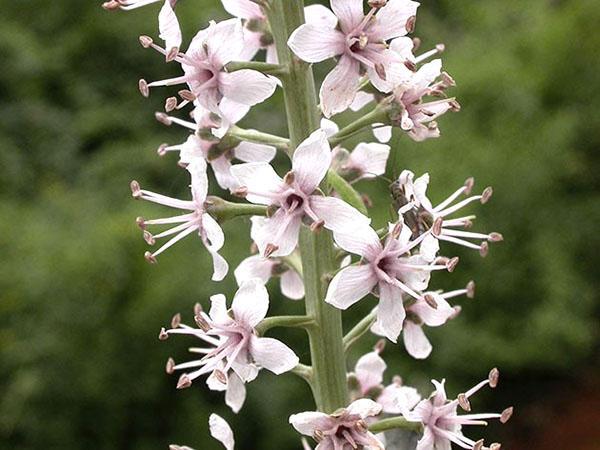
point(81, 365)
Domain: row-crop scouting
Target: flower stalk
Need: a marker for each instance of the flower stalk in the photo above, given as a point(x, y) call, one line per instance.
point(394, 423)
point(259, 137)
point(266, 68)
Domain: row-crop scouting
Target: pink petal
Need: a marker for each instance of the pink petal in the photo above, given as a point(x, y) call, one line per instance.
point(222, 170)
point(261, 180)
point(320, 15)
point(232, 111)
point(213, 231)
point(168, 25)
point(292, 285)
point(250, 303)
point(197, 170)
point(272, 57)
point(364, 408)
point(392, 18)
point(369, 370)
point(350, 285)
point(311, 161)
point(427, 74)
point(403, 46)
point(225, 41)
point(361, 100)
point(338, 215)
point(316, 43)
point(244, 9)
point(427, 441)
point(349, 12)
point(397, 399)
point(307, 422)
point(371, 158)
point(255, 266)
point(382, 133)
point(246, 371)
point(220, 266)
point(218, 309)
point(251, 152)
point(390, 313)
point(252, 45)
point(273, 355)
point(416, 343)
point(340, 86)
point(247, 86)
point(281, 230)
point(429, 248)
point(235, 395)
point(221, 431)
point(361, 241)
point(433, 317)
point(329, 127)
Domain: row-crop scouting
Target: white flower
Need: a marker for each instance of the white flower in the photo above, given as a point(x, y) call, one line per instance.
point(257, 266)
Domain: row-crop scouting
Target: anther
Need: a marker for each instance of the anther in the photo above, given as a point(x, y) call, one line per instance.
point(478, 445)
point(493, 377)
point(361, 426)
point(464, 403)
point(457, 310)
point(440, 49)
point(317, 226)
point(397, 380)
point(495, 446)
point(452, 263)
point(143, 87)
point(150, 257)
point(318, 435)
point(135, 189)
point(484, 249)
point(470, 289)
point(197, 309)
point(410, 24)
point(270, 249)
point(162, 149)
point(486, 195)
point(240, 192)
point(163, 118)
point(140, 222)
point(437, 226)
point(416, 43)
point(289, 178)
point(163, 335)
point(220, 376)
point(170, 104)
point(380, 71)
point(176, 321)
point(454, 105)
point(149, 238)
point(379, 346)
point(447, 80)
point(187, 95)
point(111, 5)
point(172, 54)
point(397, 230)
point(170, 366)
point(184, 382)
point(410, 65)
point(202, 323)
point(495, 237)
point(469, 183)
point(506, 414)
point(146, 41)
point(430, 301)
point(377, 3)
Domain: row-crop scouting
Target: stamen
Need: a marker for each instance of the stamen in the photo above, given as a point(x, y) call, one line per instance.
point(146, 41)
point(163, 335)
point(171, 104)
point(410, 24)
point(135, 189)
point(478, 445)
point(184, 382)
point(317, 226)
point(495, 237)
point(484, 250)
point(486, 195)
point(470, 289)
point(493, 377)
point(149, 239)
point(464, 403)
point(150, 258)
point(506, 414)
point(143, 87)
point(452, 263)
point(176, 321)
point(270, 249)
point(162, 149)
point(140, 223)
point(430, 301)
point(170, 366)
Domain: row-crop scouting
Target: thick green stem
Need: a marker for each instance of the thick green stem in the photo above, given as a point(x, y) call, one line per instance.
point(393, 423)
point(378, 115)
point(325, 337)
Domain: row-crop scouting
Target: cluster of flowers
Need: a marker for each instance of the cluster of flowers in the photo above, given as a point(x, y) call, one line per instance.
point(393, 264)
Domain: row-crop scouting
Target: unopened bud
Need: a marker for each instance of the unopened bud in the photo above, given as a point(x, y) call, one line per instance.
point(506, 414)
point(184, 382)
point(495, 237)
point(170, 366)
point(486, 195)
point(163, 335)
point(143, 87)
point(150, 257)
point(146, 41)
point(464, 403)
point(470, 289)
point(493, 377)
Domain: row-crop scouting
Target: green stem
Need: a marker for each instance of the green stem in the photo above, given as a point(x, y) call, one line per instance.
point(284, 321)
point(223, 210)
point(294, 261)
point(377, 115)
point(258, 137)
point(325, 337)
point(271, 69)
point(304, 372)
point(395, 422)
point(359, 330)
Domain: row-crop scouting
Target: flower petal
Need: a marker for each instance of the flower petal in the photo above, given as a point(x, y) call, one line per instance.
point(311, 161)
point(340, 86)
point(369, 370)
point(222, 169)
point(390, 313)
point(361, 100)
point(255, 266)
point(433, 317)
point(350, 285)
point(416, 343)
point(221, 431)
point(281, 230)
point(361, 241)
point(244, 9)
point(338, 215)
point(364, 407)
point(224, 41)
point(199, 185)
point(214, 232)
point(320, 15)
point(370, 158)
point(250, 303)
point(307, 422)
point(349, 12)
point(261, 180)
point(292, 285)
point(398, 399)
point(169, 29)
point(272, 354)
point(247, 86)
point(427, 441)
point(329, 127)
point(251, 152)
point(392, 18)
point(220, 266)
point(218, 309)
point(235, 395)
point(315, 43)
point(232, 111)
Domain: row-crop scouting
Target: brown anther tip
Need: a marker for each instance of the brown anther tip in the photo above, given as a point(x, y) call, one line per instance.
point(176, 320)
point(467, 223)
point(162, 149)
point(317, 226)
point(362, 426)
point(140, 222)
point(493, 377)
point(457, 310)
point(495, 237)
point(145, 41)
point(506, 414)
point(143, 87)
point(486, 195)
point(220, 375)
point(366, 200)
point(135, 189)
point(170, 104)
point(172, 54)
point(289, 177)
point(410, 65)
point(380, 71)
point(187, 95)
point(463, 401)
point(484, 249)
point(377, 3)
point(478, 445)
point(150, 257)
point(184, 382)
point(170, 366)
point(163, 335)
point(379, 346)
point(397, 230)
point(410, 24)
point(440, 47)
point(495, 446)
point(430, 301)
point(111, 5)
point(397, 380)
point(454, 105)
point(451, 265)
point(240, 192)
point(149, 238)
point(469, 183)
point(197, 309)
point(470, 289)
point(202, 323)
point(437, 226)
point(163, 118)
point(270, 249)
point(447, 80)
point(318, 436)
point(416, 43)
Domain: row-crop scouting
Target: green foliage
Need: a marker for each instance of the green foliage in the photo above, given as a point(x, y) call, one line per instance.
point(80, 309)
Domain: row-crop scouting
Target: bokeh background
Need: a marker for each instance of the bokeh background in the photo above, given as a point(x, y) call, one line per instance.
point(81, 366)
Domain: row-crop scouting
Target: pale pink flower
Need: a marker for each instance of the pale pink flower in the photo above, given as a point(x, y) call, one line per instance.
point(204, 70)
point(221, 431)
point(257, 266)
point(345, 429)
point(442, 423)
point(360, 41)
point(421, 215)
point(295, 197)
point(389, 267)
point(235, 346)
point(195, 219)
point(397, 398)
